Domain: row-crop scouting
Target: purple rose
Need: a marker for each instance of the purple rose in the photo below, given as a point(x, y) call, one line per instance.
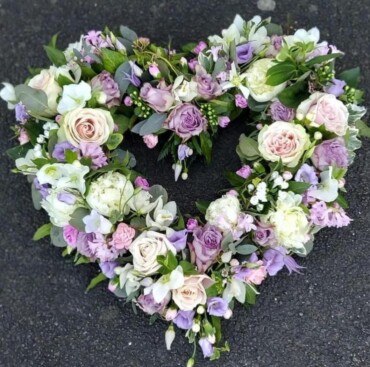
point(159, 99)
point(148, 305)
point(178, 239)
point(108, 267)
point(279, 112)
point(206, 246)
point(104, 83)
point(329, 153)
point(207, 347)
point(186, 120)
point(217, 306)
point(208, 88)
point(264, 235)
point(60, 150)
point(244, 53)
point(184, 319)
point(336, 87)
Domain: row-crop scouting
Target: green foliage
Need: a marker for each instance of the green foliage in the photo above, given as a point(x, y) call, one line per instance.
point(206, 146)
point(153, 124)
point(56, 237)
point(364, 130)
point(35, 100)
point(281, 73)
point(111, 60)
point(120, 77)
point(18, 151)
point(114, 141)
point(55, 55)
point(247, 148)
point(95, 281)
point(188, 268)
point(76, 218)
point(234, 179)
point(250, 294)
point(168, 262)
point(292, 96)
point(298, 187)
point(351, 77)
point(70, 156)
point(202, 205)
point(42, 232)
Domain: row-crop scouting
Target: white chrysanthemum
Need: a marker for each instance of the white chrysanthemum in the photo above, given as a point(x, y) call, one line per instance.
point(224, 212)
point(290, 221)
point(109, 193)
point(256, 81)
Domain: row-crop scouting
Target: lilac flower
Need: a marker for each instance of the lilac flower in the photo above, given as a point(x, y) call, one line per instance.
point(132, 77)
point(223, 121)
point(108, 267)
point(66, 197)
point(191, 224)
point(82, 244)
point(245, 171)
point(245, 224)
point(128, 102)
point(217, 306)
point(21, 114)
point(42, 189)
point(178, 239)
point(279, 112)
point(60, 150)
point(324, 216)
point(336, 87)
point(147, 303)
point(105, 84)
point(184, 319)
point(244, 53)
point(276, 43)
point(240, 101)
point(207, 87)
point(306, 174)
point(200, 47)
point(142, 183)
point(338, 217)
point(329, 153)
point(193, 63)
point(70, 235)
point(273, 261)
point(100, 249)
point(95, 38)
point(184, 152)
point(206, 246)
point(95, 153)
point(207, 347)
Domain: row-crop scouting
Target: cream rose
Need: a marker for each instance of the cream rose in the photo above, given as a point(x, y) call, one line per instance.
point(90, 125)
point(46, 81)
point(145, 250)
point(325, 109)
point(192, 293)
point(283, 140)
point(256, 77)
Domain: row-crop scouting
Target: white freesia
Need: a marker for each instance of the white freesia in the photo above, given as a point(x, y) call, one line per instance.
point(110, 193)
point(166, 283)
point(183, 90)
point(236, 81)
point(7, 94)
point(170, 336)
point(327, 190)
point(257, 35)
point(224, 212)
point(128, 279)
point(25, 164)
point(146, 248)
point(256, 77)
point(65, 72)
point(74, 96)
point(141, 202)
point(96, 223)
point(235, 289)
point(163, 215)
point(290, 222)
point(60, 210)
point(69, 51)
point(303, 36)
point(46, 81)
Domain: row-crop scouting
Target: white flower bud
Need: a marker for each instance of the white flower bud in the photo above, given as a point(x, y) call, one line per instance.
point(234, 262)
point(254, 200)
point(250, 187)
point(228, 314)
point(226, 257)
point(212, 338)
point(184, 176)
point(200, 310)
point(259, 207)
point(317, 135)
point(170, 337)
point(195, 328)
point(287, 175)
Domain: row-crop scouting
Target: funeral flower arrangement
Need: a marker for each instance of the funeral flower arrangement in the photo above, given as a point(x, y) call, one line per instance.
point(302, 132)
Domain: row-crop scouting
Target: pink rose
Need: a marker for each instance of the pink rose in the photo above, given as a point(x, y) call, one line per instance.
point(150, 140)
point(325, 109)
point(122, 237)
point(160, 100)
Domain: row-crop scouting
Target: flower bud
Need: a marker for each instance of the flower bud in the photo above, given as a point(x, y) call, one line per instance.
point(154, 70)
point(341, 183)
point(171, 314)
point(184, 176)
point(287, 175)
point(234, 262)
point(200, 310)
point(190, 363)
point(211, 338)
point(195, 328)
point(317, 135)
point(228, 314)
point(226, 257)
point(170, 337)
point(177, 168)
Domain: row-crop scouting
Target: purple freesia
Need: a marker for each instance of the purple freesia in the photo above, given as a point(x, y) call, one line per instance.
point(280, 112)
point(276, 258)
point(207, 347)
point(205, 247)
point(183, 152)
point(330, 153)
point(336, 87)
point(59, 151)
point(178, 239)
point(42, 189)
point(21, 114)
point(244, 53)
point(216, 306)
point(108, 267)
point(147, 303)
point(307, 174)
point(95, 153)
point(184, 319)
point(207, 87)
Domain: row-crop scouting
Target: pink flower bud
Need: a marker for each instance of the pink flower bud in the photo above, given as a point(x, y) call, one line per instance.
point(154, 70)
point(127, 101)
point(170, 314)
point(23, 137)
point(150, 140)
point(223, 121)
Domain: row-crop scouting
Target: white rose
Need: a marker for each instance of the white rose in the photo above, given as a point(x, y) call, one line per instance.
point(90, 125)
point(290, 222)
point(60, 205)
point(283, 140)
point(110, 193)
point(325, 109)
point(46, 81)
point(145, 250)
point(192, 293)
point(224, 212)
point(256, 81)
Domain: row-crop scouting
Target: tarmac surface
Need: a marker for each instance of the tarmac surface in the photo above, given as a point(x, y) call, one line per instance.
point(319, 319)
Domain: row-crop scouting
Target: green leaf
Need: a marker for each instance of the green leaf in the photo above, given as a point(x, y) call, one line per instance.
point(281, 73)
point(19, 151)
point(256, 106)
point(128, 33)
point(95, 281)
point(274, 29)
point(294, 95)
point(216, 322)
point(35, 100)
point(212, 291)
point(202, 205)
point(123, 123)
point(250, 294)
point(321, 59)
point(56, 56)
point(364, 130)
point(153, 124)
point(76, 218)
point(42, 232)
point(351, 77)
point(189, 268)
point(70, 156)
point(169, 262)
point(298, 187)
point(248, 148)
point(234, 179)
point(114, 141)
point(342, 201)
point(36, 197)
point(188, 47)
point(111, 59)
point(245, 249)
point(206, 146)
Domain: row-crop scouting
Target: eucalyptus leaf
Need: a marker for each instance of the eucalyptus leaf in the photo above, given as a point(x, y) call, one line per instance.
point(76, 218)
point(114, 141)
point(245, 249)
point(36, 197)
point(137, 127)
point(153, 124)
point(95, 281)
point(36, 101)
point(128, 33)
point(248, 147)
point(157, 191)
point(56, 236)
point(120, 76)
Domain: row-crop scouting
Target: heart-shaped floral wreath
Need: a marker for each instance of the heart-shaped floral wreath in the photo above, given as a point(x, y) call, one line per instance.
point(304, 132)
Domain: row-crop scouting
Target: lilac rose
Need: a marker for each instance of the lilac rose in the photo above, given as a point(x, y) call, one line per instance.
point(264, 234)
point(160, 100)
point(186, 120)
point(329, 153)
point(205, 247)
point(279, 112)
point(207, 87)
point(104, 83)
point(147, 303)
